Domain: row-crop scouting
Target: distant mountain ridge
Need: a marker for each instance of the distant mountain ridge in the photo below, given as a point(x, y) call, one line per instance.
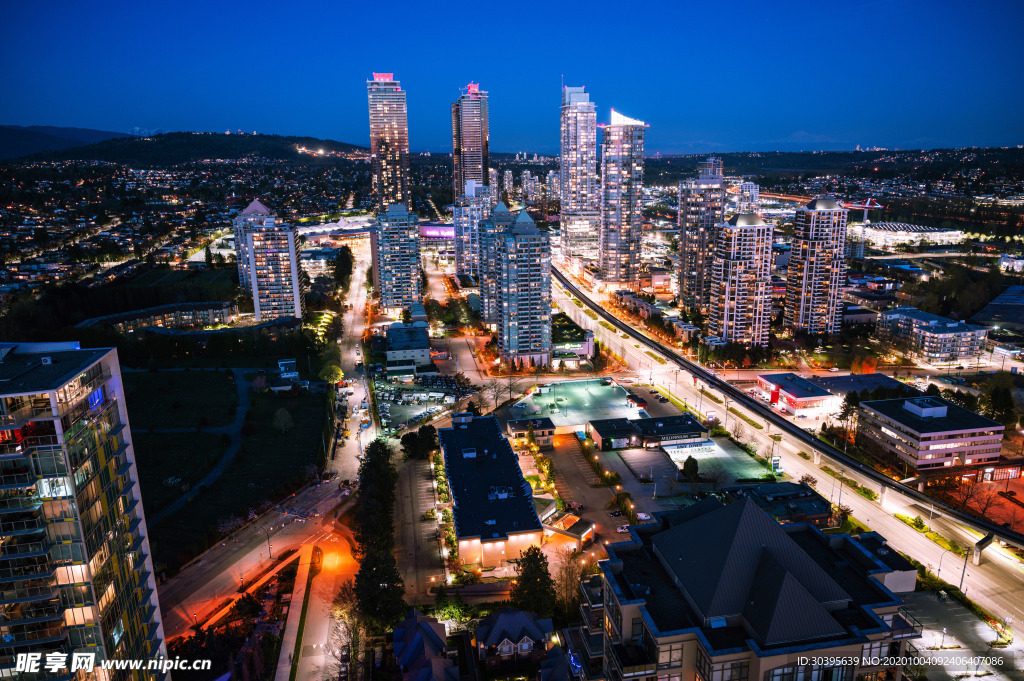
point(173, 148)
point(22, 140)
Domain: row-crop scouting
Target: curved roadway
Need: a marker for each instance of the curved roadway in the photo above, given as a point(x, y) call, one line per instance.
point(795, 431)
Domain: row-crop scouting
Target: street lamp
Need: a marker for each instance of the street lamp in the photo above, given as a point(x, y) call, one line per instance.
point(263, 529)
point(939, 574)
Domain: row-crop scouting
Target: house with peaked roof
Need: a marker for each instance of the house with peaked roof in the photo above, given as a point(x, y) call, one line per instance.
point(718, 591)
point(421, 650)
point(512, 635)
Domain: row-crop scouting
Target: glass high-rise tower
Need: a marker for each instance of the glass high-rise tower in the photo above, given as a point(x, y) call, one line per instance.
point(75, 569)
point(622, 183)
point(389, 140)
point(579, 185)
point(701, 210)
point(470, 139)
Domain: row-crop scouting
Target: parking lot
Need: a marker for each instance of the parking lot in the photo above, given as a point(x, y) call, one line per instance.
point(401, 405)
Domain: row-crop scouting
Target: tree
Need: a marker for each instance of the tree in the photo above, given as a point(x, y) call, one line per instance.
point(715, 474)
point(690, 469)
point(209, 258)
point(809, 480)
point(472, 408)
point(533, 590)
point(449, 607)
point(495, 390)
point(567, 579)
point(331, 373)
point(283, 420)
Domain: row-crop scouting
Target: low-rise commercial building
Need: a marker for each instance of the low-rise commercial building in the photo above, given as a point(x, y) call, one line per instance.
point(609, 434)
point(495, 518)
point(935, 338)
point(725, 592)
point(925, 433)
point(798, 396)
point(408, 342)
point(787, 502)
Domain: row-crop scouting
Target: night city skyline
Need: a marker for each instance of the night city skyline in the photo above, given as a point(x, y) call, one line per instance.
point(907, 75)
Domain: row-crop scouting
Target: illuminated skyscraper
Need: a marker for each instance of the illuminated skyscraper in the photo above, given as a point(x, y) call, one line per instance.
point(470, 138)
point(749, 200)
point(741, 273)
point(77, 567)
point(817, 267)
point(622, 181)
point(701, 210)
point(523, 274)
point(389, 140)
point(473, 206)
point(268, 263)
point(490, 265)
point(396, 259)
point(579, 185)
point(507, 180)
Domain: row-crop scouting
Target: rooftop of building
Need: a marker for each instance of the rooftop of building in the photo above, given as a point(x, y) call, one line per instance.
point(794, 385)
point(925, 415)
point(785, 500)
point(542, 423)
point(739, 577)
point(936, 323)
point(257, 208)
point(823, 203)
point(492, 499)
point(565, 330)
point(904, 227)
point(841, 385)
point(412, 336)
point(1006, 310)
point(746, 220)
point(39, 367)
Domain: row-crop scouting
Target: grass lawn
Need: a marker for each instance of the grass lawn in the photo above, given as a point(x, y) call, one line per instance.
point(160, 456)
point(268, 466)
point(179, 399)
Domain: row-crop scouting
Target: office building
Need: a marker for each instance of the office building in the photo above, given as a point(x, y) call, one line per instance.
point(470, 209)
point(490, 288)
point(931, 337)
point(470, 138)
point(524, 286)
point(580, 186)
point(741, 274)
point(408, 342)
point(396, 259)
point(622, 181)
point(389, 141)
point(927, 433)
point(725, 593)
point(492, 504)
point(701, 210)
point(750, 198)
point(268, 262)
point(817, 268)
point(77, 568)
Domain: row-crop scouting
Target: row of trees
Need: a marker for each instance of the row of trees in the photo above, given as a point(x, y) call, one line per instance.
point(536, 591)
point(344, 263)
point(378, 589)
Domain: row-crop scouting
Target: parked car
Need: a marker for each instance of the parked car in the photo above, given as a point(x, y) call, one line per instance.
point(615, 514)
point(643, 516)
point(622, 529)
point(834, 370)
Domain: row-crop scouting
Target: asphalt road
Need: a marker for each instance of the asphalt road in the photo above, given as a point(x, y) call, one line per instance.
point(997, 584)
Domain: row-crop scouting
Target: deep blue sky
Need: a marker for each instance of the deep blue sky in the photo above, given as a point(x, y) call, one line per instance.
point(726, 76)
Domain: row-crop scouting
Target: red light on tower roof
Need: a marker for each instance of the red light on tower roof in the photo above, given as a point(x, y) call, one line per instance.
point(383, 76)
point(473, 87)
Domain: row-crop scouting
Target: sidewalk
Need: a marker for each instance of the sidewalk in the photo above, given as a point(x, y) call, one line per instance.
point(291, 629)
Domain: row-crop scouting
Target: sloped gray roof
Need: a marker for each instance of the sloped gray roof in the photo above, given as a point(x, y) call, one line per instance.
point(417, 638)
point(555, 666)
point(500, 208)
point(823, 203)
point(716, 557)
point(780, 610)
point(746, 220)
point(514, 625)
point(523, 218)
point(256, 208)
